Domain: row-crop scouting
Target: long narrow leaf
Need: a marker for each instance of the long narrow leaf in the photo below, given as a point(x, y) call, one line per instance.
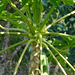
point(20, 59)
point(35, 11)
point(13, 46)
point(55, 58)
point(37, 8)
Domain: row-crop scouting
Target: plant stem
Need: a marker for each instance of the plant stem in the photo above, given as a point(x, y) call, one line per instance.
point(13, 22)
point(55, 58)
point(14, 33)
point(13, 46)
point(20, 59)
point(60, 55)
point(46, 19)
point(60, 34)
point(12, 29)
point(60, 19)
point(23, 16)
point(41, 64)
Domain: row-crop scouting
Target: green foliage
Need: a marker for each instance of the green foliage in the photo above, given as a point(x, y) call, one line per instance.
point(24, 2)
point(55, 2)
point(36, 30)
point(68, 2)
point(3, 4)
point(0, 42)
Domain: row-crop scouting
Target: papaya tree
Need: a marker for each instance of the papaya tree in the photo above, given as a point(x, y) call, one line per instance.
point(28, 22)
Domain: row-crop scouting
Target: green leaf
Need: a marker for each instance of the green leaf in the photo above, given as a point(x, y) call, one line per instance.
point(61, 61)
point(70, 42)
point(61, 44)
point(24, 2)
point(23, 16)
point(49, 58)
point(3, 4)
point(37, 7)
point(54, 2)
point(66, 39)
point(68, 2)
